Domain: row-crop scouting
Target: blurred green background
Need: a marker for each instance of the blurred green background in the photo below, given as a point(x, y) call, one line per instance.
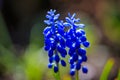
point(21, 40)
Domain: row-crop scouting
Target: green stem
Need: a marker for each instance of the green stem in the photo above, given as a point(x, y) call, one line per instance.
point(77, 75)
point(58, 72)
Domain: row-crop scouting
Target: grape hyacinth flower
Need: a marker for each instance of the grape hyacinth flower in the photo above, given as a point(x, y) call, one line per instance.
point(58, 35)
point(75, 39)
point(54, 43)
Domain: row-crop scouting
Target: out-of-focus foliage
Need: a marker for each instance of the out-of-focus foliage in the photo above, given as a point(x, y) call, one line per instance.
point(36, 36)
point(35, 62)
point(4, 34)
point(107, 68)
point(108, 15)
point(7, 59)
point(118, 77)
point(111, 23)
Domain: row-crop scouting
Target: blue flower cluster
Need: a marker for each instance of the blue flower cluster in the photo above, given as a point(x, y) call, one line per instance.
point(54, 42)
point(58, 35)
point(76, 38)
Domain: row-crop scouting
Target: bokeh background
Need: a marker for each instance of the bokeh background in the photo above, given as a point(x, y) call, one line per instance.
point(21, 40)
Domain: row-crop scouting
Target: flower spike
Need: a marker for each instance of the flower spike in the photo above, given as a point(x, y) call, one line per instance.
point(58, 35)
point(54, 42)
point(76, 37)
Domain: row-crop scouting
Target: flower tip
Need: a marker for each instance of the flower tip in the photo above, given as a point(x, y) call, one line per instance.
point(86, 44)
point(78, 66)
point(57, 58)
point(82, 25)
point(74, 14)
point(50, 65)
point(55, 69)
point(72, 72)
point(84, 69)
point(46, 48)
point(63, 63)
